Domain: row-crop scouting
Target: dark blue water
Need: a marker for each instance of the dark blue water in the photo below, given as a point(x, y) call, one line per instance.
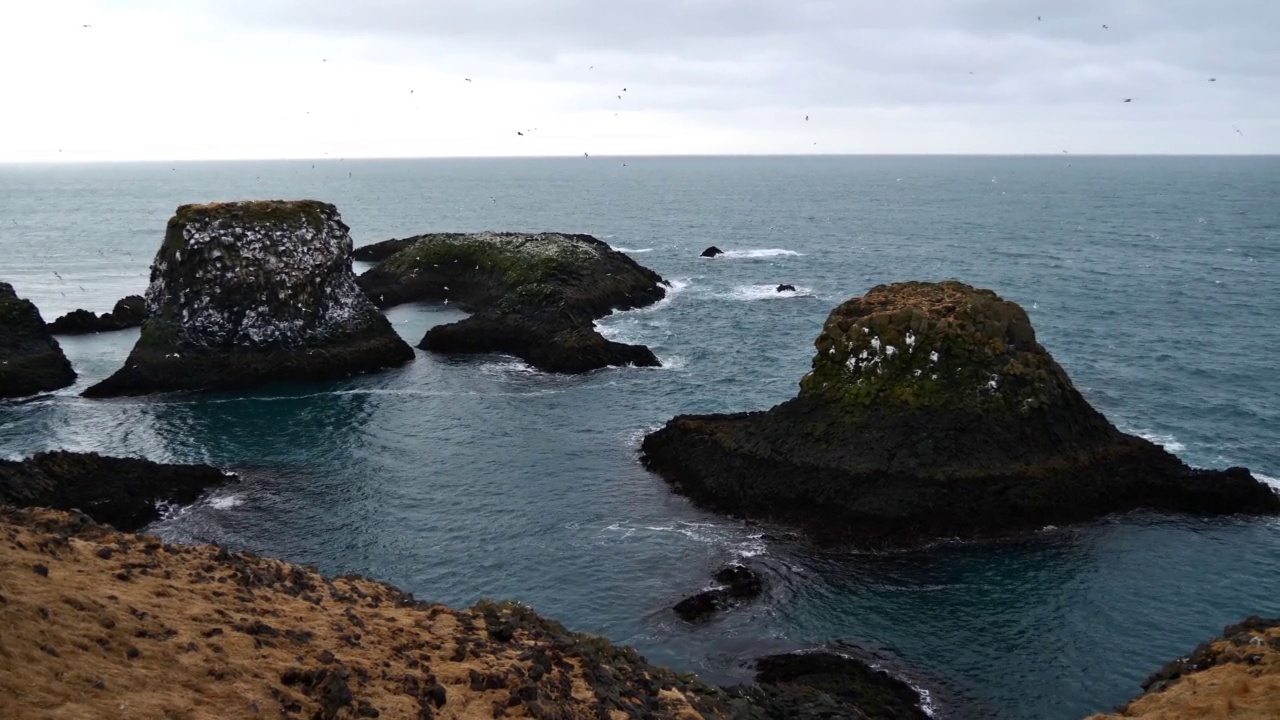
point(1154, 281)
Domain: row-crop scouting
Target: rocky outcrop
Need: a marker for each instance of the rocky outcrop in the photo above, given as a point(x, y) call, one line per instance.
point(129, 312)
point(31, 361)
point(932, 412)
point(737, 584)
point(122, 492)
point(786, 288)
point(712, 252)
point(532, 296)
point(247, 293)
point(96, 620)
point(1236, 676)
point(379, 251)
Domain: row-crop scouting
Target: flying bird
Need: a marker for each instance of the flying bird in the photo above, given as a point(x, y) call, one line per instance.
point(1128, 99)
point(583, 155)
point(1213, 79)
point(520, 133)
point(467, 79)
point(624, 89)
point(55, 274)
point(1237, 130)
point(806, 118)
point(1104, 27)
point(88, 26)
point(619, 97)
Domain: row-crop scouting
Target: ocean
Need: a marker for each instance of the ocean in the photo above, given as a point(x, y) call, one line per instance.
point(1154, 281)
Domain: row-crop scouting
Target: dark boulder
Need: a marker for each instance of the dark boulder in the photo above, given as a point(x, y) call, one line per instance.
point(712, 252)
point(786, 288)
point(532, 296)
point(121, 492)
point(129, 312)
point(932, 412)
point(828, 685)
point(379, 251)
point(248, 293)
point(738, 583)
point(31, 361)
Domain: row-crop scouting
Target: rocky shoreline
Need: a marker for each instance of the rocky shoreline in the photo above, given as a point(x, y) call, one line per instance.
point(932, 413)
point(102, 621)
point(534, 296)
point(31, 361)
point(129, 312)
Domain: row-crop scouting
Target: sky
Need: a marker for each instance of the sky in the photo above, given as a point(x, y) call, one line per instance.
point(235, 79)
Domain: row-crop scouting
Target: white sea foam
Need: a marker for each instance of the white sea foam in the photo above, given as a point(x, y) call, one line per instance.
point(1168, 442)
point(729, 538)
point(633, 251)
point(767, 292)
point(764, 253)
point(226, 502)
point(1273, 482)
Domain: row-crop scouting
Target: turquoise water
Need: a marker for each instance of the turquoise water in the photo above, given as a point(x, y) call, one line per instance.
point(1154, 281)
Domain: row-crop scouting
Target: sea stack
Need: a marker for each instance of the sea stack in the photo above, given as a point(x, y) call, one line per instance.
point(31, 361)
point(531, 295)
point(246, 293)
point(931, 412)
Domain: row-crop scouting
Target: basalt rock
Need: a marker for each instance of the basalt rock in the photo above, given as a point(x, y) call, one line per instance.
point(829, 685)
point(121, 492)
point(31, 361)
point(738, 583)
point(932, 412)
point(532, 296)
point(786, 288)
point(247, 293)
point(379, 251)
point(129, 312)
point(712, 252)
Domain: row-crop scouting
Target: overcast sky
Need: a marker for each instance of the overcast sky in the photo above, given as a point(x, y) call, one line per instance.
point(196, 79)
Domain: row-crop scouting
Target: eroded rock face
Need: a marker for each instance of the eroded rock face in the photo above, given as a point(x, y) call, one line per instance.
point(121, 492)
point(533, 296)
point(932, 412)
point(251, 292)
point(128, 312)
point(31, 361)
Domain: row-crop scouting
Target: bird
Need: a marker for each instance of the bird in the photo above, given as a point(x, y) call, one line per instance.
point(88, 26)
point(592, 67)
point(1213, 79)
point(619, 97)
point(410, 92)
point(1128, 99)
point(806, 118)
point(1037, 18)
point(520, 133)
point(624, 89)
point(1237, 130)
point(467, 79)
point(324, 59)
point(1064, 152)
point(583, 155)
point(1104, 27)
point(55, 274)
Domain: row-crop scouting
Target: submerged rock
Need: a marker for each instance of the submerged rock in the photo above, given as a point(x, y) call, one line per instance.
point(737, 584)
point(31, 361)
point(932, 412)
point(712, 252)
point(532, 296)
point(1236, 675)
point(129, 312)
point(121, 492)
point(786, 288)
point(246, 293)
point(264, 637)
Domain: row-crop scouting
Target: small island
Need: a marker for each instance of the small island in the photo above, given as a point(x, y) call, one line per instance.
point(31, 361)
point(246, 293)
point(931, 412)
point(129, 312)
point(534, 296)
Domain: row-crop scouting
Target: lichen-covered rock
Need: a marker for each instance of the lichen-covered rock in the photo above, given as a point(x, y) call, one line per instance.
point(129, 312)
point(533, 296)
point(31, 361)
point(251, 292)
point(121, 492)
point(932, 412)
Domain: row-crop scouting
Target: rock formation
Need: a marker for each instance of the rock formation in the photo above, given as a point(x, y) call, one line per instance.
point(379, 251)
point(1235, 676)
point(31, 361)
point(128, 312)
point(251, 292)
point(932, 412)
point(96, 621)
point(532, 296)
point(786, 288)
point(712, 252)
point(122, 492)
point(738, 583)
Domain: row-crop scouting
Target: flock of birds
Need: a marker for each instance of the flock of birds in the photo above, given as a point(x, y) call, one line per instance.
point(522, 133)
